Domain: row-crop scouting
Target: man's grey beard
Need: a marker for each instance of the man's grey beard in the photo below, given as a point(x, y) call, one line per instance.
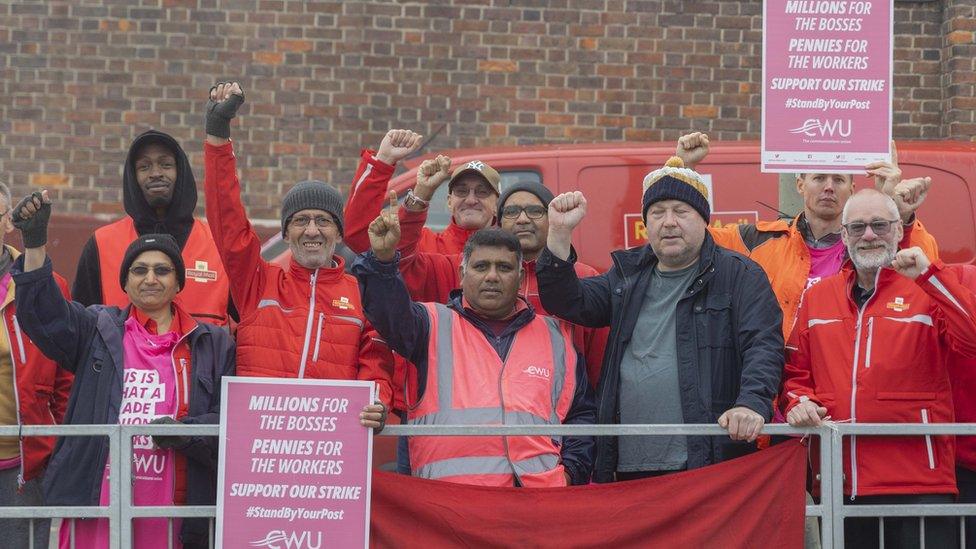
point(874, 262)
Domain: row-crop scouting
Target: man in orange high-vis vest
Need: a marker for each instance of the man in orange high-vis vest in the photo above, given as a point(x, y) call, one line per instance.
point(799, 252)
point(485, 357)
point(160, 194)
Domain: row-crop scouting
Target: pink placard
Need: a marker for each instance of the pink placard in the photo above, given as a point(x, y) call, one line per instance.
point(294, 464)
point(826, 84)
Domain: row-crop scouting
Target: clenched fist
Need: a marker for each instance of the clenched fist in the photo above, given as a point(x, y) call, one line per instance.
point(566, 211)
point(225, 98)
point(909, 195)
point(384, 232)
point(692, 149)
point(397, 144)
point(911, 262)
point(431, 174)
point(31, 216)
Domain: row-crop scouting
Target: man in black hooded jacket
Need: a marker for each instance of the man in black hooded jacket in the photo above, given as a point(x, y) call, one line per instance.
point(160, 194)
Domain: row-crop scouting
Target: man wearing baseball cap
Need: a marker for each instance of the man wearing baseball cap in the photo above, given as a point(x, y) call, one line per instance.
point(473, 190)
point(679, 300)
point(304, 320)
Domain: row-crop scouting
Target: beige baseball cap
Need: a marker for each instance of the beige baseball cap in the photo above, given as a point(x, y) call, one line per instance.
point(480, 168)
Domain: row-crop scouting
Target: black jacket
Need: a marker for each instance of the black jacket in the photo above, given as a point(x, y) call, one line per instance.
point(88, 343)
point(729, 339)
point(178, 222)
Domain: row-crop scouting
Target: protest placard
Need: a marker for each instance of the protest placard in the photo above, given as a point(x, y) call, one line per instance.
point(827, 68)
point(294, 464)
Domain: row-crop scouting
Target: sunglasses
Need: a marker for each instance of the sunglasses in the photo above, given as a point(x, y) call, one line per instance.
point(533, 212)
point(880, 227)
point(158, 270)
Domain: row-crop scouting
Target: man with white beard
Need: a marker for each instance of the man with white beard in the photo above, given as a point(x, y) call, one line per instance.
point(870, 346)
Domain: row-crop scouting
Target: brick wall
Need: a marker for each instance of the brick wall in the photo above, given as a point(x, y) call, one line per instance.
point(323, 78)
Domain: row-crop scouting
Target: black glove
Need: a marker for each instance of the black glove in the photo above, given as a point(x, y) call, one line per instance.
point(34, 230)
point(220, 113)
point(163, 441)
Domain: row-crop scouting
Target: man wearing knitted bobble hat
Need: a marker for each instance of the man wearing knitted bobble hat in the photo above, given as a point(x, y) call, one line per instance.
point(305, 320)
point(695, 330)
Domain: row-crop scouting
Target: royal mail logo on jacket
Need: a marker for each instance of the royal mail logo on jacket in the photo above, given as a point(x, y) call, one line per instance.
point(898, 305)
point(343, 303)
point(201, 272)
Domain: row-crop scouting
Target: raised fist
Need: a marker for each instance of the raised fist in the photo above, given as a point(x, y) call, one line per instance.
point(397, 144)
point(909, 195)
point(910, 262)
point(692, 148)
point(31, 216)
point(225, 99)
point(384, 232)
point(431, 174)
point(566, 211)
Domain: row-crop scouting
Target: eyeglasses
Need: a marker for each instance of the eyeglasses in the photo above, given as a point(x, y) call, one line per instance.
point(880, 227)
point(321, 221)
point(158, 270)
point(481, 191)
point(533, 212)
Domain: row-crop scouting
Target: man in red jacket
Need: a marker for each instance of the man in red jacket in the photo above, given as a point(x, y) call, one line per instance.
point(33, 391)
point(472, 199)
point(305, 320)
point(870, 345)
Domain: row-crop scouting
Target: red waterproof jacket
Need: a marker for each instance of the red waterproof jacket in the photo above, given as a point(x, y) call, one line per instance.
point(780, 249)
point(41, 387)
point(367, 198)
point(295, 322)
point(885, 362)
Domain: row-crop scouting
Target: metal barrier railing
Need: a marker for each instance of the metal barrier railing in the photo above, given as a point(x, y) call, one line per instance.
point(831, 509)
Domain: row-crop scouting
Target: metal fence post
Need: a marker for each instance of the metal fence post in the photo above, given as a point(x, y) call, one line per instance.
point(827, 472)
point(837, 487)
point(124, 472)
point(114, 487)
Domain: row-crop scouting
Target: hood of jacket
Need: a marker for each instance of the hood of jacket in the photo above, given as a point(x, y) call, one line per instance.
point(178, 220)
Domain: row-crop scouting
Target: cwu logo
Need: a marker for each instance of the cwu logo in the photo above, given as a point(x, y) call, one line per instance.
point(538, 371)
point(813, 127)
point(280, 539)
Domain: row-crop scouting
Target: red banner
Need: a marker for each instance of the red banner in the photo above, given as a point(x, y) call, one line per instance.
point(755, 501)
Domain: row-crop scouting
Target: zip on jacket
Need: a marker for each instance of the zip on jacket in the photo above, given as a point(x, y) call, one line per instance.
point(308, 326)
point(857, 349)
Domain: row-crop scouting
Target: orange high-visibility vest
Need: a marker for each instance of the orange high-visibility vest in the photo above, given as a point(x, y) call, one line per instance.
point(467, 383)
point(207, 288)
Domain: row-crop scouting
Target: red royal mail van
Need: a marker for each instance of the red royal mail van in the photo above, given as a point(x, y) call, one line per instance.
point(610, 176)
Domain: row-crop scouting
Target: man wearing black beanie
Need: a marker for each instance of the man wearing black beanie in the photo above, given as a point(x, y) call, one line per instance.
point(696, 330)
point(304, 320)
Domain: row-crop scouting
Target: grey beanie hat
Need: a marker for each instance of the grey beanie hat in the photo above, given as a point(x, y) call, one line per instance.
point(311, 195)
point(538, 189)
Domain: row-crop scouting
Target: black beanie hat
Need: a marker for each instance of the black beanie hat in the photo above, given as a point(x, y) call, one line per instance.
point(534, 187)
point(675, 182)
point(160, 242)
point(311, 195)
